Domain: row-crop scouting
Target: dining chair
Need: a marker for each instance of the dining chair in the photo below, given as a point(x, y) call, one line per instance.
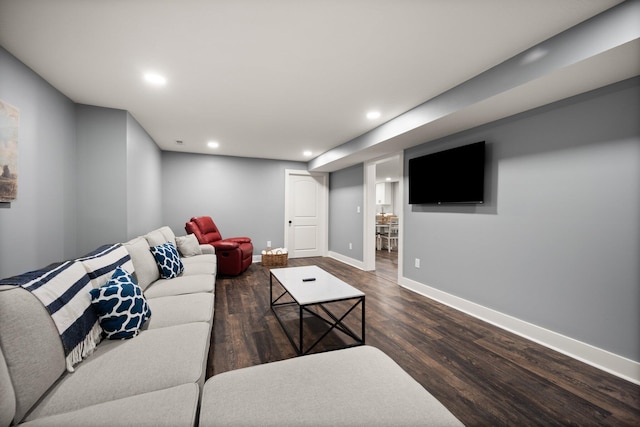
point(391, 236)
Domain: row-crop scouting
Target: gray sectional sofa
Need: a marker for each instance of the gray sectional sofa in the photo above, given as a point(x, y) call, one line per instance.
point(154, 378)
point(157, 377)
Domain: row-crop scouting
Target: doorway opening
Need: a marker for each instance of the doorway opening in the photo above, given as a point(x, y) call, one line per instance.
point(383, 222)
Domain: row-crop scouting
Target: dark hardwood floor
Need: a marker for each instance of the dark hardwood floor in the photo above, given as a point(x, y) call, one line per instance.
point(483, 374)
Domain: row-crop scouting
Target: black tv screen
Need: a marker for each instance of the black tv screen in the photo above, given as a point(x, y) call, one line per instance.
point(451, 176)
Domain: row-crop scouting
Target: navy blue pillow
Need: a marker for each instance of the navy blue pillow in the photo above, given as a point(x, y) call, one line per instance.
point(168, 260)
point(120, 306)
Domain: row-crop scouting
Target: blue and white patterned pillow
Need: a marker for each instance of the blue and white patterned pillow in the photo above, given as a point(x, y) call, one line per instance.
point(168, 260)
point(120, 306)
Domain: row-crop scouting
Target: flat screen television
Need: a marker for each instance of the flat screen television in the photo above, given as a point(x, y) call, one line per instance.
point(451, 176)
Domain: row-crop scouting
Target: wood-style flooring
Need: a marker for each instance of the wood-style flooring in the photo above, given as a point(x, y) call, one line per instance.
point(482, 374)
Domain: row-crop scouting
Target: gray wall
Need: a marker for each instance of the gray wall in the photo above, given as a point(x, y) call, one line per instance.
point(39, 226)
point(245, 197)
point(345, 223)
point(144, 181)
point(102, 176)
point(87, 175)
point(119, 171)
point(558, 242)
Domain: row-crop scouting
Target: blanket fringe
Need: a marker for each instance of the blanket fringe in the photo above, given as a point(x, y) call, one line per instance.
point(85, 348)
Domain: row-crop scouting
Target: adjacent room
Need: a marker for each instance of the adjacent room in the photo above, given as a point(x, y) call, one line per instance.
point(319, 213)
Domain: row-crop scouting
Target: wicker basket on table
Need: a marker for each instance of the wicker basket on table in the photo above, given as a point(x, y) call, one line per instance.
point(275, 259)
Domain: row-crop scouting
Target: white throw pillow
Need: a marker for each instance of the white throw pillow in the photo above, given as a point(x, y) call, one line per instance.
point(188, 245)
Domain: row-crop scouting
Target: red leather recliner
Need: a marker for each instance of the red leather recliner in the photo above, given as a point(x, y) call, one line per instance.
point(234, 254)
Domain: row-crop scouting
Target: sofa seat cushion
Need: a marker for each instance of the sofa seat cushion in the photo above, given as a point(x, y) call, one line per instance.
point(356, 386)
point(195, 268)
point(200, 259)
point(180, 309)
point(200, 264)
point(180, 286)
point(156, 359)
point(176, 406)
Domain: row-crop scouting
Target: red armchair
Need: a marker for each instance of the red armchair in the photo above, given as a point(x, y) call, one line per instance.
point(234, 254)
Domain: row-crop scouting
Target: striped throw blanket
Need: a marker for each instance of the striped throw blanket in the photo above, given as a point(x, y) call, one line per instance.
point(64, 291)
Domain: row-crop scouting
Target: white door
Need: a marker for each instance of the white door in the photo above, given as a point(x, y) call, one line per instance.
point(305, 213)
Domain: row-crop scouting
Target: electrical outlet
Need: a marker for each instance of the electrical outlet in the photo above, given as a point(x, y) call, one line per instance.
point(358, 209)
point(417, 262)
point(350, 245)
point(268, 243)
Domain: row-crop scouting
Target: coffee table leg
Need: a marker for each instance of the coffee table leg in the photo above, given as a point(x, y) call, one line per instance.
point(362, 321)
point(301, 350)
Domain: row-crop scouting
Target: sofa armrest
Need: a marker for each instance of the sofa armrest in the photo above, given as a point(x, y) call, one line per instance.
point(208, 249)
point(238, 239)
point(224, 245)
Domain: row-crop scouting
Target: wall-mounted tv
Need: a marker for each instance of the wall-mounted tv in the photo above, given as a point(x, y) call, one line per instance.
point(451, 176)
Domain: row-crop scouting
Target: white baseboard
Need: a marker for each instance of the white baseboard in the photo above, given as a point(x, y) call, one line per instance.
point(350, 261)
point(599, 358)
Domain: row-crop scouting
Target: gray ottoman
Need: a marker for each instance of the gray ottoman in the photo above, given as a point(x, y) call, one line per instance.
point(351, 387)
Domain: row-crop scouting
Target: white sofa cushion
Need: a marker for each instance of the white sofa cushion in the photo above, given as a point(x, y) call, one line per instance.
point(172, 407)
point(32, 350)
point(201, 259)
point(357, 386)
point(188, 245)
point(180, 309)
point(7, 394)
point(146, 269)
point(161, 235)
point(181, 285)
point(154, 360)
point(197, 268)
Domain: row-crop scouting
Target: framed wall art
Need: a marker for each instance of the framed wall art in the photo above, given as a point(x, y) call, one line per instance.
point(9, 127)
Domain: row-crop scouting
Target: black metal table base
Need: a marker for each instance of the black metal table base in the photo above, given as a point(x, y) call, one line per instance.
point(334, 322)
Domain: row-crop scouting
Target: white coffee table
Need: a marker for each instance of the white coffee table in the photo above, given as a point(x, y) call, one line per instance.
point(322, 291)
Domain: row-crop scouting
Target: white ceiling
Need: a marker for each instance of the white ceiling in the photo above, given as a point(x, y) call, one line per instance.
point(270, 79)
point(388, 170)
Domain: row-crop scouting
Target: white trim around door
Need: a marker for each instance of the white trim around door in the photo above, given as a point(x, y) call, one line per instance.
point(369, 222)
point(319, 218)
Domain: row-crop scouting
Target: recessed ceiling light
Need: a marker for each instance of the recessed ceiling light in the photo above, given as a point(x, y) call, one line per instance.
point(155, 79)
point(388, 179)
point(534, 55)
point(308, 153)
point(213, 144)
point(372, 115)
